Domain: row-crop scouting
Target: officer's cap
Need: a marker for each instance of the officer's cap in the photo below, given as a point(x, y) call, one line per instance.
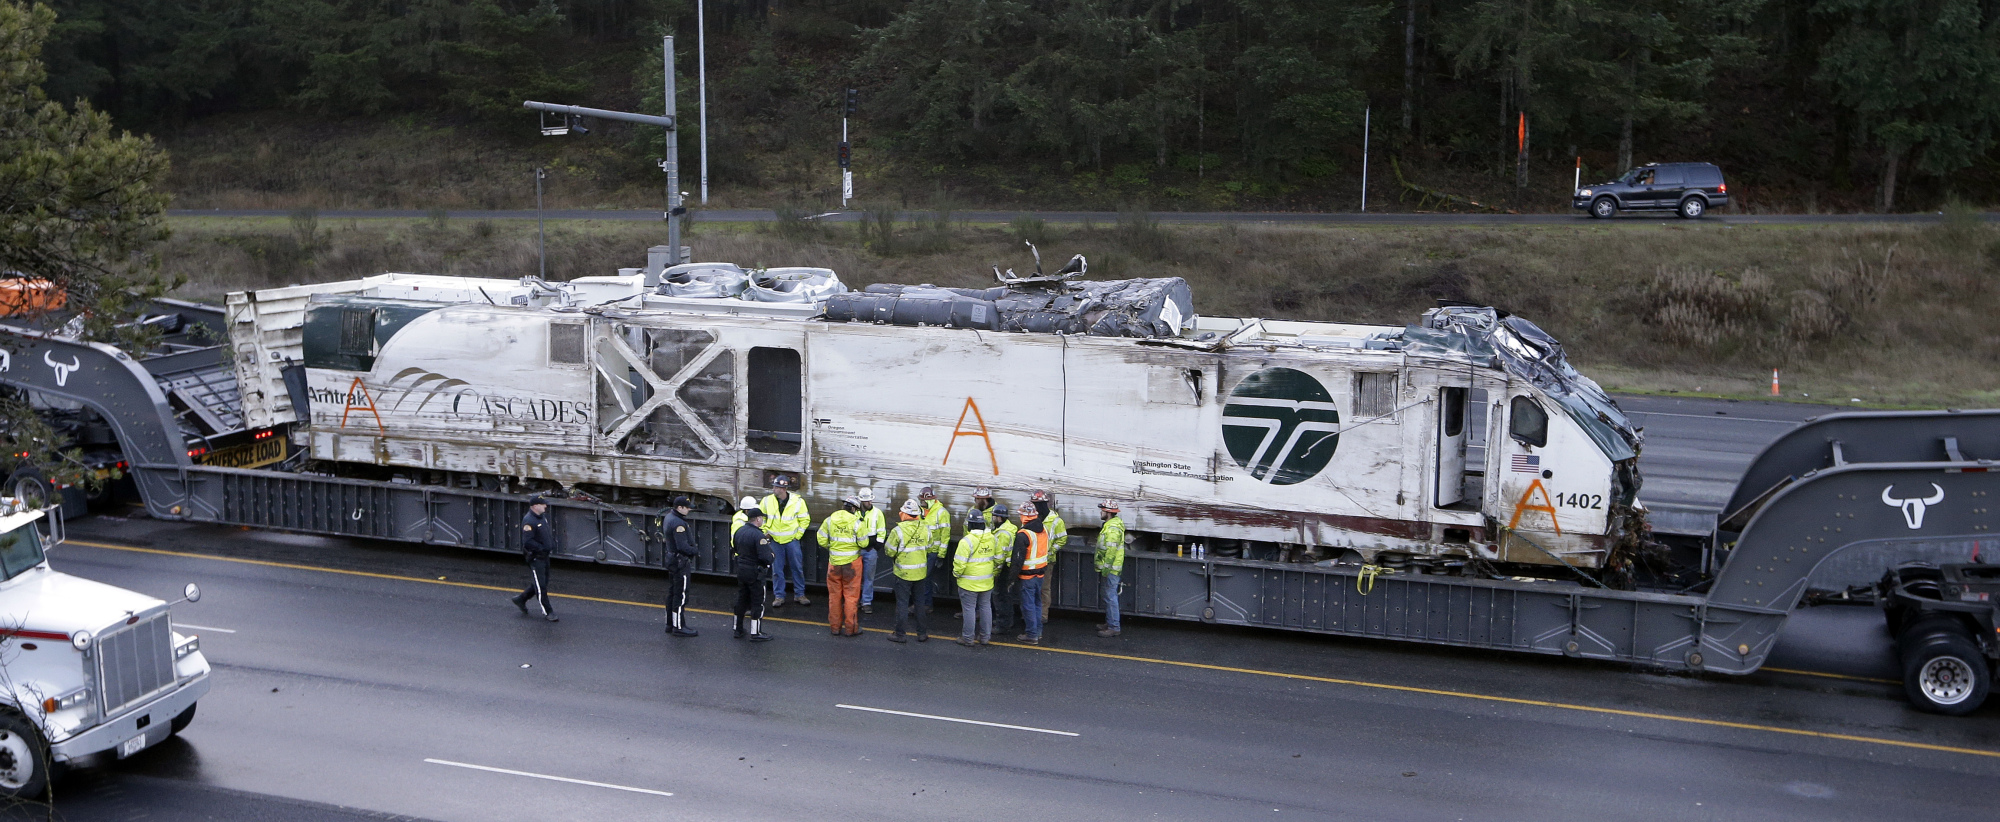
point(753, 513)
point(538, 499)
point(683, 502)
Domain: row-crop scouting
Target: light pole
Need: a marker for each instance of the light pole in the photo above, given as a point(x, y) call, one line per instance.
point(701, 58)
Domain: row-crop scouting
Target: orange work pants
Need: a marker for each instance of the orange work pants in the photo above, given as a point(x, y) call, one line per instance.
point(843, 598)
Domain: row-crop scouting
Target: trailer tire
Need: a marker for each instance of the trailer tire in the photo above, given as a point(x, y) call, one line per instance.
point(1943, 670)
point(24, 758)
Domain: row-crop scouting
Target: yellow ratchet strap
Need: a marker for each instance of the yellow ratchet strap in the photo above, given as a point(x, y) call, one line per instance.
point(1365, 582)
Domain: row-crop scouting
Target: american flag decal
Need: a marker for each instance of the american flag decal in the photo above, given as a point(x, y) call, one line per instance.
point(1527, 463)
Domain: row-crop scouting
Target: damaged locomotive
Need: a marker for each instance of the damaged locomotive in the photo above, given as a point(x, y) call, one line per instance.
point(1465, 439)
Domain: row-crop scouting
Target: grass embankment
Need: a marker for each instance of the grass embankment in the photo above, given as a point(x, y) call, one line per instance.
point(1891, 315)
point(279, 161)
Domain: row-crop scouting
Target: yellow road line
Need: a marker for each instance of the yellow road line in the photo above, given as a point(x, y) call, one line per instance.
point(1831, 676)
point(1383, 686)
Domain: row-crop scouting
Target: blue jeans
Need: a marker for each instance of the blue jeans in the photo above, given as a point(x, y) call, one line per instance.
point(1111, 601)
point(790, 556)
point(868, 556)
point(1031, 605)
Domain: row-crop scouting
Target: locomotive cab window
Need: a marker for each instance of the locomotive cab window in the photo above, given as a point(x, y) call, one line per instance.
point(777, 402)
point(1529, 424)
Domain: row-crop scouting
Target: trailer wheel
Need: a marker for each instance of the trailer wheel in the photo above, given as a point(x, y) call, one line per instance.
point(24, 758)
point(1943, 671)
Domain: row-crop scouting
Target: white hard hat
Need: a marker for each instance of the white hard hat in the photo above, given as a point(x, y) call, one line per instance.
point(911, 507)
point(866, 495)
point(747, 504)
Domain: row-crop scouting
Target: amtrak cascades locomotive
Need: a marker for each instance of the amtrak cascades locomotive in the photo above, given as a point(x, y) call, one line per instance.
point(1466, 438)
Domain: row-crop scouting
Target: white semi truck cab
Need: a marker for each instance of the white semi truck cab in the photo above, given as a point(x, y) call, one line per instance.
point(85, 668)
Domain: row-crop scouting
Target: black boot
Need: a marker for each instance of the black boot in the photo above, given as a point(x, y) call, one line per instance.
point(520, 601)
point(739, 627)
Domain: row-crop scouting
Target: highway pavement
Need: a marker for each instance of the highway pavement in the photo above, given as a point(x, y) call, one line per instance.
point(364, 680)
point(760, 215)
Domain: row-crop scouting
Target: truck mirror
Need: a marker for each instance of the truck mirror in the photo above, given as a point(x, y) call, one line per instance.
point(192, 592)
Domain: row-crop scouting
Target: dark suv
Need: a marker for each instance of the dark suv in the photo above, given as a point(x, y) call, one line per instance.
point(1688, 189)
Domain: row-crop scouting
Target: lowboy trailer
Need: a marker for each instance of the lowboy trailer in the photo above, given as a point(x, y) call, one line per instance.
point(1832, 504)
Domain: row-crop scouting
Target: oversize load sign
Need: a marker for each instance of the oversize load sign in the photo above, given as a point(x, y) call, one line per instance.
point(1281, 426)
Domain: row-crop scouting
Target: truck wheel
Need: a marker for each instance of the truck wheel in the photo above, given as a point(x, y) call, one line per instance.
point(1943, 671)
point(1692, 208)
point(24, 758)
point(1604, 208)
point(181, 722)
point(28, 486)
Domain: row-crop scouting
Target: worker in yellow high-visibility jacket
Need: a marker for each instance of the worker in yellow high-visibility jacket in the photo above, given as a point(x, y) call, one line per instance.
point(785, 519)
point(973, 567)
point(908, 550)
point(840, 535)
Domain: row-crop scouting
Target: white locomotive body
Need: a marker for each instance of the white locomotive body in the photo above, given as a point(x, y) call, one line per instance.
point(1466, 436)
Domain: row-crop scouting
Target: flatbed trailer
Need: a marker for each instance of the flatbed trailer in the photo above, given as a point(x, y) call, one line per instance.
point(1831, 504)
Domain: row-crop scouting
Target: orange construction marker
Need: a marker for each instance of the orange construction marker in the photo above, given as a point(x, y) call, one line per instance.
point(1774, 382)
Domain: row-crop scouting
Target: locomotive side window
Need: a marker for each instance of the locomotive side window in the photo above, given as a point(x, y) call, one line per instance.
point(1374, 394)
point(1529, 424)
point(777, 402)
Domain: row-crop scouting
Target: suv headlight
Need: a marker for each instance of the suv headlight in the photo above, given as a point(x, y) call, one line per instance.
point(65, 701)
point(192, 645)
point(1583, 193)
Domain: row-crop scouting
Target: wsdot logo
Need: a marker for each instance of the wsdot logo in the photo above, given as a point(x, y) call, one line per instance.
point(1281, 426)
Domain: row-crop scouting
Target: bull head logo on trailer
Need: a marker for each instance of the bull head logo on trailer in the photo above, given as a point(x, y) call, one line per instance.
point(1913, 509)
point(62, 371)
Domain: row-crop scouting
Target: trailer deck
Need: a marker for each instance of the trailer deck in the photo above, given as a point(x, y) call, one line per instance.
point(1832, 503)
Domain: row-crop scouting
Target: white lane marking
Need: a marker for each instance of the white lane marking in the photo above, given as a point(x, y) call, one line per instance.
point(547, 777)
point(1718, 417)
point(955, 719)
point(203, 628)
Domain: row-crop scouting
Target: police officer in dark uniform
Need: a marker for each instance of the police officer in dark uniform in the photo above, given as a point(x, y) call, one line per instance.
point(680, 563)
point(751, 548)
point(536, 545)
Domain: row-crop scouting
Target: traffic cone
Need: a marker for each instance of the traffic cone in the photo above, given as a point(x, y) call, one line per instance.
point(1774, 382)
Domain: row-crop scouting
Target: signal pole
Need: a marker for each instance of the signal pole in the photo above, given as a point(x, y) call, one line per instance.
point(572, 117)
point(846, 153)
point(672, 163)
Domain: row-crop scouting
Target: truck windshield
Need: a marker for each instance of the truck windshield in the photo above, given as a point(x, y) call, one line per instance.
point(20, 549)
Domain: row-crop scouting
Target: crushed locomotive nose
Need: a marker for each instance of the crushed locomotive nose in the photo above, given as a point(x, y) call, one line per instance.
point(1463, 437)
